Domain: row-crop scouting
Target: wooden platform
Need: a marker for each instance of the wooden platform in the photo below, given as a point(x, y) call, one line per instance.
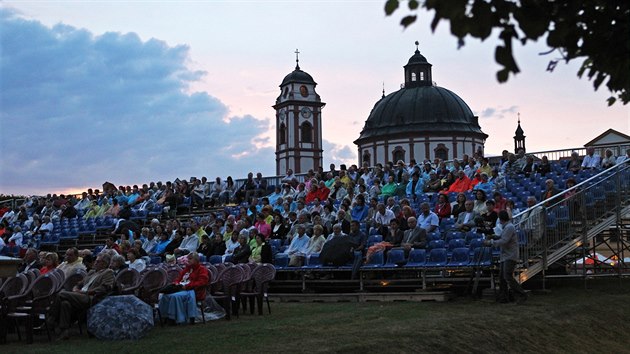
point(364, 297)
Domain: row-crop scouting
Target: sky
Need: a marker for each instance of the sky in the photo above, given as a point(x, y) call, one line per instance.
point(139, 91)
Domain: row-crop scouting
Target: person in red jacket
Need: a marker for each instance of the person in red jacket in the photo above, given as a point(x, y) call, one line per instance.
point(179, 302)
point(461, 184)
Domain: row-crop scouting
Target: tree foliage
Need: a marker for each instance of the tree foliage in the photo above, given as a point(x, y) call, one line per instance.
point(596, 31)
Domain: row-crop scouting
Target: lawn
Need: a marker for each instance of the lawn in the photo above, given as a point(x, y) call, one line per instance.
point(569, 319)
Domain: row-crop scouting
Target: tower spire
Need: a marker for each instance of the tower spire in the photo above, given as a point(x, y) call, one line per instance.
point(297, 59)
point(383, 89)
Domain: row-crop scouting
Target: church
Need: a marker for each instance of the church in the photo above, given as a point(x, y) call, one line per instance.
point(420, 121)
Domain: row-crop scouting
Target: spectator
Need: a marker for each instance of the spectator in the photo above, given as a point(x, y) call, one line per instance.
point(414, 187)
point(480, 202)
point(298, 247)
point(88, 292)
point(591, 161)
point(461, 184)
point(574, 165)
point(30, 261)
point(134, 261)
point(51, 261)
point(442, 207)
point(544, 167)
point(189, 243)
point(360, 210)
point(413, 237)
point(179, 302)
point(427, 219)
point(466, 219)
point(609, 160)
point(243, 251)
point(458, 205)
point(72, 262)
point(117, 264)
point(550, 190)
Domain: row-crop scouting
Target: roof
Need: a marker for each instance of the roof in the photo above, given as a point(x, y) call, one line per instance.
point(422, 110)
point(610, 136)
point(298, 76)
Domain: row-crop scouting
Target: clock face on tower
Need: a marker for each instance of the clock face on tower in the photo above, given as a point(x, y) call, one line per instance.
point(306, 112)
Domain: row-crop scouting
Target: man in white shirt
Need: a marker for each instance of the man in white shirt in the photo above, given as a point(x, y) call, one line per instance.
point(591, 161)
point(382, 218)
point(72, 262)
point(428, 220)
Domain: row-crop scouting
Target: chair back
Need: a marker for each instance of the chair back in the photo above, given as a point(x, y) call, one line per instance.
point(417, 257)
point(127, 278)
point(214, 273)
point(220, 267)
point(14, 286)
point(72, 280)
point(172, 274)
point(30, 276)
point(61, 277)
point(43, 285)
point(151, 283)
point(230, 277)
point(247, 272)
point(262, 276)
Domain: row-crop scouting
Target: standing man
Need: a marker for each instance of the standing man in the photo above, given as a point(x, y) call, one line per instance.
point(508, 241)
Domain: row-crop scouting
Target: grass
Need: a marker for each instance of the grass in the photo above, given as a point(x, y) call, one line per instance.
point(568, 320)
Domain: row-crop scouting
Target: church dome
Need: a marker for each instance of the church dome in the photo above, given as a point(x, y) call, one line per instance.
point(298, 76)
point(421, 109)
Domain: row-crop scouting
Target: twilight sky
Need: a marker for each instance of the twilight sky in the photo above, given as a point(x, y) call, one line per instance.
point(132, 92)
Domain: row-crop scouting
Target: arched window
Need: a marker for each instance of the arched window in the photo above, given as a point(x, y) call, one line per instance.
point(422, 76)
point(413, 76)
point(282, 134)
point(441, 152)
point(307, 132)
point(398, 154)
point(366, 157)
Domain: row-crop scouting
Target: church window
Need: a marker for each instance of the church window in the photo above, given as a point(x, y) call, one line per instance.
point(282, 134)
point(307, 132)
point(413, 76)
point(398, 154)
point(441, 152)
point(422, 76)
point(366, 157)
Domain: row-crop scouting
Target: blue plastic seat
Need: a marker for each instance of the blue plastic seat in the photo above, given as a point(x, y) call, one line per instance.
point(374, 239)
point(459, 258)
point(456, 243)
point(395, 258)
point(450, 235)
point(417, 258)
point(216, 259)
point(376, 261)
point(482, 257)
point(438, 258)
point(313, 261)
point(436, 244)
point(281, 260)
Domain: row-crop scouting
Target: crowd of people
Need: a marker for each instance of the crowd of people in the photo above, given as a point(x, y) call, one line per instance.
point(402, 202)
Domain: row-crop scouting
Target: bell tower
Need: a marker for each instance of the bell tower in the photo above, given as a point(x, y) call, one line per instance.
point(298, 123)
point(519, 137)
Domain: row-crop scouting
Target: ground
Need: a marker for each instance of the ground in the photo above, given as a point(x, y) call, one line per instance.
point(568, 319)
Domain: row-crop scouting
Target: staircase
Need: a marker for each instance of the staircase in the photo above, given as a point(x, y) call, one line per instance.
point(570, 221)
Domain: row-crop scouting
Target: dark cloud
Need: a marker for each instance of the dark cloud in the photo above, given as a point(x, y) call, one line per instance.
point(338, 154)
point(79, 109)
point(498, 112)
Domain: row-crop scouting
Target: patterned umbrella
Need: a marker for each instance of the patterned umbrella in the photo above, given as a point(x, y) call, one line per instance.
point(120, 317)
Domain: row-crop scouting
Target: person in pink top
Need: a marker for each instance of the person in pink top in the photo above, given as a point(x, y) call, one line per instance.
point(262, 226)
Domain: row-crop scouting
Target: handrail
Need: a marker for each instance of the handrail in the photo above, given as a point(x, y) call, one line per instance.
point(621, 167)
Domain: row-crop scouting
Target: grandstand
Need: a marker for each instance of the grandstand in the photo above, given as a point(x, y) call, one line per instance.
point(589, 218)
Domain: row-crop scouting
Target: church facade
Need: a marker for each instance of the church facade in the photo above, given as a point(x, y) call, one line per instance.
point(420, 121)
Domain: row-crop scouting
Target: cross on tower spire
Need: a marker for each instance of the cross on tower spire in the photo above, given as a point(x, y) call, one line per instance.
point(297, 59)
point(519, 117)
point(417, 49)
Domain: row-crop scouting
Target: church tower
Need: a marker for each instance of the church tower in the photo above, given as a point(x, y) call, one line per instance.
point(519, 137)
point(298, 123)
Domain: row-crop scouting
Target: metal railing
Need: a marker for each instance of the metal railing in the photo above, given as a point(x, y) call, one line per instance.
point(568, 221)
